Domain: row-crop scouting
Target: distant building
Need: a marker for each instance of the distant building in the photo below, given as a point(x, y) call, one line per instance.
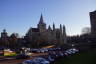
point(42, 35)
point(4, 34)
point(4, 39)
point(8, 41)
point(93, 22)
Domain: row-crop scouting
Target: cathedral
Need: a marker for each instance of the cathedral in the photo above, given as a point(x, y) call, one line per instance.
point(44, 35)
point(40, 36)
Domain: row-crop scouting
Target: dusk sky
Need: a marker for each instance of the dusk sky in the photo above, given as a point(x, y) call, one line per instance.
point(19, 15)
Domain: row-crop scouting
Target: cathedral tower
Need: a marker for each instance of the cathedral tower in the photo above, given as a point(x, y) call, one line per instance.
point(41, 25)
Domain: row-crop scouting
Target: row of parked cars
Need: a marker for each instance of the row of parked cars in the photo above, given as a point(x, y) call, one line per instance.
point(38, 60)
point(55, 55)
point(52, 56)
point(42, 50)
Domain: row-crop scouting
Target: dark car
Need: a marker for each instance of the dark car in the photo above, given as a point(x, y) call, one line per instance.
point(50, 58)
point(22, 56)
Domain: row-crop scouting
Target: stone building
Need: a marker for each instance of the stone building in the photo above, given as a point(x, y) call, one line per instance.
point(93, 22)
point(43, 35)
point(8, 41)
point(4, 39)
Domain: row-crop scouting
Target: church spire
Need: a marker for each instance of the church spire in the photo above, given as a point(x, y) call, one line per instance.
point(49, 28)
point(61, 28)
point(53, 26)
point(41, 25)
point(64, 30)
point(41, 21)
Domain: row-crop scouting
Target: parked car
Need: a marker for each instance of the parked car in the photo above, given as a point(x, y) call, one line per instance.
point(50, 59)
point(22, 56)
point(40, 60)
point(34, 50)
point(71, 51)
point(28, 62)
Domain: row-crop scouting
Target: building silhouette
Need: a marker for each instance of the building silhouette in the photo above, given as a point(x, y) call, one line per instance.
point(4, 39)
point(36, 36)
point(43, 35)
point(40, 36)
point(93, 22)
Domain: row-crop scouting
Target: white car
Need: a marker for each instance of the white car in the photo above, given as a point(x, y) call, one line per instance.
point(72, 51)
point(66, 54)
point(76, 50)
point(28, 62)
point(42, 51)
point(40, 60)
point(69, 52)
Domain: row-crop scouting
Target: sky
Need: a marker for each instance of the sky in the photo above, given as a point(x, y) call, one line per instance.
point(19, 15)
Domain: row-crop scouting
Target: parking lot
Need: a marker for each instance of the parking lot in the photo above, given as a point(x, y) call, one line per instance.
point(16, 61)
point(46, 55)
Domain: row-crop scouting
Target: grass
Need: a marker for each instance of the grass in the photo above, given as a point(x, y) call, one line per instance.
point(80, 58)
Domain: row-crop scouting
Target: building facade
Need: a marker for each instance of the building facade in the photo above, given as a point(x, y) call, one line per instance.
point(93, 22)
point(43, 35)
